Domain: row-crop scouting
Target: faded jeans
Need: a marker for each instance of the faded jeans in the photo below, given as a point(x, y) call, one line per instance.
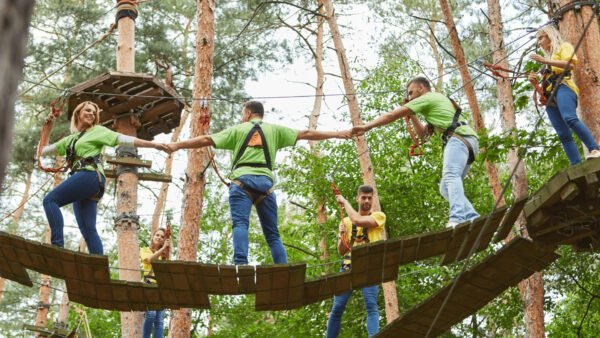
point(563, 117)
point(339, 305)
point(240, 206)
point(455, 168)
point(77, 189)
point(153, 319)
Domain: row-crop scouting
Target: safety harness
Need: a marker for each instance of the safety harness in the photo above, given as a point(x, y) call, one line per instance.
point(76, 163)
point(549, 81)
point(253, 141)
point(354, 238)
point(450, 131)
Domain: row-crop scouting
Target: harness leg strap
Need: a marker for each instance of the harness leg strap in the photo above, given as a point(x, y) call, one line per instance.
point(255, 200)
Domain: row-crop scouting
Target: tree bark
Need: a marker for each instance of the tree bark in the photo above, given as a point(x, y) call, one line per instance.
point(587, 71)
point(19, 212)
point(366, 167)
point(490, 168)
point(312, 125)
point(127, 189)
point(41, 317)
point(197, 158)
point(532, 288)
point(15, 16)
point(164, 187)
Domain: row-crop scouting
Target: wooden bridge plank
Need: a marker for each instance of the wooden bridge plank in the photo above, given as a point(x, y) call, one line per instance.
point(510, 218)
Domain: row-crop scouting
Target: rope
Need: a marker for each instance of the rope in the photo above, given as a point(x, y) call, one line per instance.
point(337, 192)
point(416, 148)
point(45, 135)
point(485, 227)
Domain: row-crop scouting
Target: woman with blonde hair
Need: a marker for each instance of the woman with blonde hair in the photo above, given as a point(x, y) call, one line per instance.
point(158, 249)
point(85, 184)
point(562, 109)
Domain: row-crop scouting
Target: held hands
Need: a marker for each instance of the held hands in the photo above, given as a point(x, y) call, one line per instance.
point(345, 134)
point(359, 130)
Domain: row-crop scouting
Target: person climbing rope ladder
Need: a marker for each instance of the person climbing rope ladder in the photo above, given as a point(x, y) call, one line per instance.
point(562, 108)
point(85, 184)
point(460, 141)
point(254, 144)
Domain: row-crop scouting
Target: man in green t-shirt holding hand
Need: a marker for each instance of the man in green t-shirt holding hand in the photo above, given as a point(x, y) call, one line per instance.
point(254, 144)
point(461, 143)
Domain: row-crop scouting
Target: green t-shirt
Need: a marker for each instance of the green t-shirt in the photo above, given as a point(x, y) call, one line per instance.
point(233, 138)
point(90, 143)
point(438, 111)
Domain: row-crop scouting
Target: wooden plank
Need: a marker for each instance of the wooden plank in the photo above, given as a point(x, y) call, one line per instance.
point(510, 218)
point(548, 194)
point(592, 186)
point(210, 275)
point(246, 277)
point(486, 236)
point(459, 236)
point(569, 192)
point(434, 243)
point(128, 161)
point(228, 277)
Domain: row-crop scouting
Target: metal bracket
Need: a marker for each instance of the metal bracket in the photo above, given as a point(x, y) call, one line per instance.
point(127, 219)
point(575, 5)
point(130, 152)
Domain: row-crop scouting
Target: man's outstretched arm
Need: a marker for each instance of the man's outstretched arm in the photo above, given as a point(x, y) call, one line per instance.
point(382, 120)
point(196, 142)
point(315, 135)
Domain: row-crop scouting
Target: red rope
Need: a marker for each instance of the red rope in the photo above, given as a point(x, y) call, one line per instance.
point(337, 192)
point(168, 236)
point(496, 69)
point(211, 154)
point(56, 106)
point(416, 148)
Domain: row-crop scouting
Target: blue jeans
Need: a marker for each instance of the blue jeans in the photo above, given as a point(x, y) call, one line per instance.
point(153, 319)
point(564, 118)
point(455, 168)
point(339, 305)
point(240, 205)
point(77, 189)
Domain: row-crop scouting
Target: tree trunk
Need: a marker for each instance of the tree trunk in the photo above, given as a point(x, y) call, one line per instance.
point(164, 187)
point(15, 16)
point(65, 305)
point(532, 288)
point(127, 188)
point(19, 212)
point(41, 318)
point(490, 168)
point(197, 158)
point(312, 125)
point(587, 71)
point(366, 167)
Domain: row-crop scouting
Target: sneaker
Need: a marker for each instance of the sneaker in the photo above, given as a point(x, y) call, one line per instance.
point(593, 154)
point(451, 224)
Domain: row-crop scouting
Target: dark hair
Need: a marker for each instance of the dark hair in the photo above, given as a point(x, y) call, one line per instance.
point(365, 189)
point(420, 80)
point(255, 108)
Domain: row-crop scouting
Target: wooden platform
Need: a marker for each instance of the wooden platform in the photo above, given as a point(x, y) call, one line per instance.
point(477, 287)
point(116, 93)
point(566, 210)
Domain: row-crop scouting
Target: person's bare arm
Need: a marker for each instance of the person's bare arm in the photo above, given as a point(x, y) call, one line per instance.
point(382, 120)
point(356, 218)
point(421, 129)
point(158, 252)
point(315, 135)
point(554, 63)
point(196, 142)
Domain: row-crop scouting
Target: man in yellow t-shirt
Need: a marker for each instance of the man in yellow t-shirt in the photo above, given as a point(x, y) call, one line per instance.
point(360, 227)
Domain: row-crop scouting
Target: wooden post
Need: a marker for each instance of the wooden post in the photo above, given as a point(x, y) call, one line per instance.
point(15, 16)
point(587, 71)
point(461, 62)
point(364, 158)
point(181, 320)
point(126, 224)
point(531, 288)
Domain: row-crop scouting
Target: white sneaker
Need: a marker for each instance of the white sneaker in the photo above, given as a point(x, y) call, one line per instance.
point(593, 154)
point(451, 224)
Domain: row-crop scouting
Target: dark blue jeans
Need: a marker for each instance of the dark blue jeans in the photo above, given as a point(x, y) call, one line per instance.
point(339, 305)
point(240, 205)
point(76, 189)
point(153, 319)
point(564, 118)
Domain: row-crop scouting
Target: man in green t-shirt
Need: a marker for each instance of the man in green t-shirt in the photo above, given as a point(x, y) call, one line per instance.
point(254, 145)
point(461, 143)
